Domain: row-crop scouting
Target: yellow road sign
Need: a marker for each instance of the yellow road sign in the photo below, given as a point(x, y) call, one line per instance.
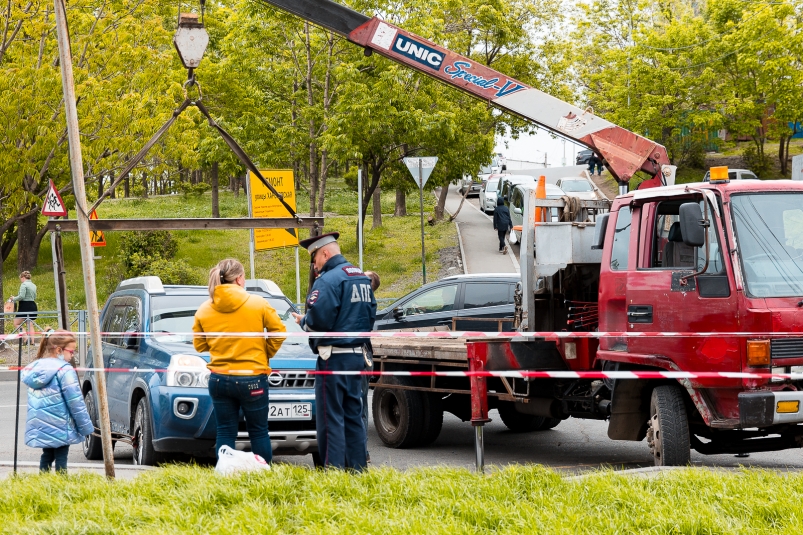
point(265, 204)
point(96, 236)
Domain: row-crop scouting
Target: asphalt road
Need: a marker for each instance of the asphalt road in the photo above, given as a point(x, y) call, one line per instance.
point(573, 446)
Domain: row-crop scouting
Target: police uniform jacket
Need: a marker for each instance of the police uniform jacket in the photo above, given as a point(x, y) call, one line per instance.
point(341, 300)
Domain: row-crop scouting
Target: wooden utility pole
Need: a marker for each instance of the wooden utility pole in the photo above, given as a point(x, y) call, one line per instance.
point(87, 259)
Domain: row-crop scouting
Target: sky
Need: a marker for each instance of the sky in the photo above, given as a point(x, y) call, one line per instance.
point(533, 148)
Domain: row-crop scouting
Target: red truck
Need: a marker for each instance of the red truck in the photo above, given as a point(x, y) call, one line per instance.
point(720, 257)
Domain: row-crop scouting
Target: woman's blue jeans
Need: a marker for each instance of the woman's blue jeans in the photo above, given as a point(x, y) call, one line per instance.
point(59, 455)
point(229, 395)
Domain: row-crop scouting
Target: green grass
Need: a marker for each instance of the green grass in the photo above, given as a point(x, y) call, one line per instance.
point(393, 250)
point(289, 499)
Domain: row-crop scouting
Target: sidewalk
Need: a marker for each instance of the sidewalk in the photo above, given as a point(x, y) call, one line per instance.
point(121, 471)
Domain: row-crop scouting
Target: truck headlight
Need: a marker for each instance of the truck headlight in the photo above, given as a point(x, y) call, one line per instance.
point(188, 371)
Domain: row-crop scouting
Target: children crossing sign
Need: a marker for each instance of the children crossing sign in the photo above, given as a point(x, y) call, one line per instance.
point(96, 236)
point(54, 204)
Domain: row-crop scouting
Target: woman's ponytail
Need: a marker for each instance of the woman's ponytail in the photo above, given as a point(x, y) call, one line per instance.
point(225, 272)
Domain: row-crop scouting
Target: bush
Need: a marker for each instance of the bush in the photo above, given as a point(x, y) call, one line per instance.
point(194, 189)
point(150, 244)
point(758, 163)
point(173, 272)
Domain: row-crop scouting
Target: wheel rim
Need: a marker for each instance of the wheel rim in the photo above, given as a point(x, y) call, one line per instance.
point(654, 438)
point(90, 408)
point(138, 446)
point(390, 411)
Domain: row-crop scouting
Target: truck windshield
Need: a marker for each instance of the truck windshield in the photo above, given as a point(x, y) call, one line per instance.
point(575, 186)
point(769, 229)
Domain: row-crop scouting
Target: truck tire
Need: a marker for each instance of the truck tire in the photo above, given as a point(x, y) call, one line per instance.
point(433, 418)
point(398, 414)
point(668, 432)
point(144, 454)
point(518, 422)
point(92, 446)
point(549, 423)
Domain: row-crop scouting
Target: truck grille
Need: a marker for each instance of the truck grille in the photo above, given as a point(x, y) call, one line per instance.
point(785, 348)
point(291, 380)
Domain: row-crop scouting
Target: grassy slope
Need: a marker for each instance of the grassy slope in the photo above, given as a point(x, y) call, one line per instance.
point(394, 250)
point(522, 499)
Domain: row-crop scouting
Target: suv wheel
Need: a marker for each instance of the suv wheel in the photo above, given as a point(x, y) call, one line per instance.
point(92, 446)
point(144, 454)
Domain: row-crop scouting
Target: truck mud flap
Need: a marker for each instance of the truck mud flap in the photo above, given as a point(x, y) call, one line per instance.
point(531, 355)
point(630, 411)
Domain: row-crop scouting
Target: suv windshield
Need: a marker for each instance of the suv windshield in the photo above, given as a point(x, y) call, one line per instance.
point(769, 229)
point(176, 313)
point(490, 186)
point(575, 186)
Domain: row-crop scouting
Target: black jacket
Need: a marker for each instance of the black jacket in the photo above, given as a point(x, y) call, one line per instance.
point(502, 220)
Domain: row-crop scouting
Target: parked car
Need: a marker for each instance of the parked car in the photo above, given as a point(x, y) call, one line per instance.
point(517, 204)
point(578, 186)
point(166, 407)
point(473, 185)
point(508, 182)
point(583, 156)
point(488, 194)
point(734, 174)
point(465, 297)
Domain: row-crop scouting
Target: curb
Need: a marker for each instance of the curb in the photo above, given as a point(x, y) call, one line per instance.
point(98, 466)
point(462, 252)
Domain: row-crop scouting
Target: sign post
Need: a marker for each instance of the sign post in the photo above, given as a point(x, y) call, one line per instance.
point(263, 203)
point(421, 168)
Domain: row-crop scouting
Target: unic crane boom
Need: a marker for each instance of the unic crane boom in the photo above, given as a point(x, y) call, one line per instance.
point(625, 152)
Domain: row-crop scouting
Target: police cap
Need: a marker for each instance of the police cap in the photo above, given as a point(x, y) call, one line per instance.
point(316, 242)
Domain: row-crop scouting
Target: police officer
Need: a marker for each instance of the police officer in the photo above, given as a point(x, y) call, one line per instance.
point(340, 300)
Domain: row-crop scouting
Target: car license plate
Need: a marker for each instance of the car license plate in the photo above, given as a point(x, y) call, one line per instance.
point(290, 411)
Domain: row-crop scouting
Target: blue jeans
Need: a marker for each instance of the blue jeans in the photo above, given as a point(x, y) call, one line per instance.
point(338, 417)
point(54, 454)
point(229, 395)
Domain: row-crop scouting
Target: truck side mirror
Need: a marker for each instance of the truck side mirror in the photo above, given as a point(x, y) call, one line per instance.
point(599, 231)
point(692, 225)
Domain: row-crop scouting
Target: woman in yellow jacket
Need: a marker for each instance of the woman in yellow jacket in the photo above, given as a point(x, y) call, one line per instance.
point(239, 365)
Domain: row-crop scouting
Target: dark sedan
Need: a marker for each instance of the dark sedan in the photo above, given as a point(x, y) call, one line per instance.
point(486, 296)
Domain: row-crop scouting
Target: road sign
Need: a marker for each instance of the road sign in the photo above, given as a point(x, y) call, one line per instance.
point(427, 164)
point(96, 237)
point(54, 204)
point(266, 204)
point(797, 167)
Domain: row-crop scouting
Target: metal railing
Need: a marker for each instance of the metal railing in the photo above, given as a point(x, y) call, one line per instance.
point(77, 321)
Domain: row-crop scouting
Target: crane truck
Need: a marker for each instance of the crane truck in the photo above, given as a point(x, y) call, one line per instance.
point(720, 264)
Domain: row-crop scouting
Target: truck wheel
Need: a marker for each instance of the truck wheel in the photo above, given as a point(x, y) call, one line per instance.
point(549, 423)
point(92, 446)
point(398, 414)
point(144, 454)
point(668, 432)
point(518, 422)
point(433, 418)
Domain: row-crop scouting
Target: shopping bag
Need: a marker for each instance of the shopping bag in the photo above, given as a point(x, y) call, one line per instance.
point(8, 307)
point(512, 237)
point(231, 461)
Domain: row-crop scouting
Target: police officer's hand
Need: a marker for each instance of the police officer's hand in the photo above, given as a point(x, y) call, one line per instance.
point(297, 317)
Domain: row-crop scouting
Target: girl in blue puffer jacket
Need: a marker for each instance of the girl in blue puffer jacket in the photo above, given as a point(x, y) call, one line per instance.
point(57, 415)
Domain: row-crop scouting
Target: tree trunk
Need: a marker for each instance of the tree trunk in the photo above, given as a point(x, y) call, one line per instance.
point(439, 208)
point(401, 203)
point(322, 181)
point(377, 207)
point(236, 183)
point(26, 238)
point(144, 185)
point(214, 177)
point(100, 186)
point(127, 186)
point(2, 293)
point(113, 194)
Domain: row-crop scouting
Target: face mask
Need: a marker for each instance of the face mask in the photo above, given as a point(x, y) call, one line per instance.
point(60, 356)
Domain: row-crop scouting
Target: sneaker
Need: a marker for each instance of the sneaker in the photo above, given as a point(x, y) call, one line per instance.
point(368, 458)
point(505, 251)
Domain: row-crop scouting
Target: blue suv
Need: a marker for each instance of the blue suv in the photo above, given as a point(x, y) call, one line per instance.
point(169, 410)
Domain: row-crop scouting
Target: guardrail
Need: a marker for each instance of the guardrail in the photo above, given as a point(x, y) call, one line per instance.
point(77, 321)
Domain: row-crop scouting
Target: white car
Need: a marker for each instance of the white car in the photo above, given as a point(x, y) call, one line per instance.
point(578, 186)
point(517, 204)
point(488, 194)
point(508, 182)
point(734, 174)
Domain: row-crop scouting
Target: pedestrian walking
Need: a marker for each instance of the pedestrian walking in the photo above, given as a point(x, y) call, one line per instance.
point(595, 162)
point(369, 367)
point(340, 300)
point(57, 415)
point(239, 365)
point(502, 223)
point(26, 306)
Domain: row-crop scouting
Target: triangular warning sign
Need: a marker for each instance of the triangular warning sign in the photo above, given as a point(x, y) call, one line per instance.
point(96, 236)
point(53, 205)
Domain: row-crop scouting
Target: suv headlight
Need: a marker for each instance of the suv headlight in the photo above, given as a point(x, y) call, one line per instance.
point(188, 371)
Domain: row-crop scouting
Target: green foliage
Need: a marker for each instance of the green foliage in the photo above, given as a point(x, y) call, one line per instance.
point(135, 246)
point(756, 161)
point(194, 189)
point(516, 499)
point(170, 271)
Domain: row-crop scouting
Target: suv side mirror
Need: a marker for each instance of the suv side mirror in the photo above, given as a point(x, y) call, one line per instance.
point(516, 210)
point(692, 225)
point(398, 313)
point(131, 341)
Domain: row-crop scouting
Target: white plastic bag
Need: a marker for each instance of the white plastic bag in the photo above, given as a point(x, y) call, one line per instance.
point(512, 237)
point(230, 461)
